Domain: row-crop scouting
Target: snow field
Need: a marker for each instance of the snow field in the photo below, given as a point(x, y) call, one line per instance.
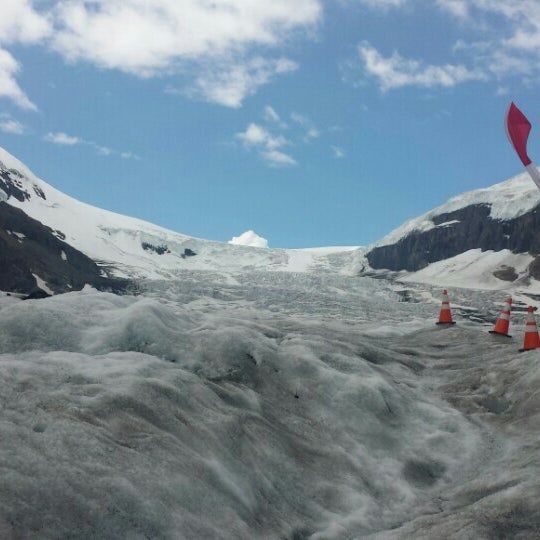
point(173, 414)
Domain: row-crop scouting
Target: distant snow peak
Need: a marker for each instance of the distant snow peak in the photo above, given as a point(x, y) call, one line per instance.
point(249, 238)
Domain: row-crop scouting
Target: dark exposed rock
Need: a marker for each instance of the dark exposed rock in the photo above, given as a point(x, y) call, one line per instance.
point(36, 294)
point(11, 184)
point(534, 268)
point(506, 273)
point(28, 247)
point(160, 250)
point(456, 232)
point(188, 253)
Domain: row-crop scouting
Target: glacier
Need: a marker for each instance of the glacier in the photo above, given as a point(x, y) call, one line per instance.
point(266, 405)
point(254, 393)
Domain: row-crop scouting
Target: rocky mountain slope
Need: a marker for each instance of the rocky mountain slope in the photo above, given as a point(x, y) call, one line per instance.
point(130, 248)
point(496, 230)
point(35, 257)
point(487, 238)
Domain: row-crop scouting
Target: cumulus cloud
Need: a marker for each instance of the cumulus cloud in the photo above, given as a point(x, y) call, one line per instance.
point(458, 8)
point(9, 125)
point(255, 135)
point(268, 145)
point(271, 115)
point(230, 86)
point(310, 131)
point(507, 45)
point(210, 43)
point(216, 47)
point(19, 23)
point(515, 51)
point(211, 40)
point(375, 4)
point(268, 139)
point(9, 88)
point(249, 238)
point(130, 155)
point(277, 157)
point(396, 71)
point(63, 139)
point(150, 37)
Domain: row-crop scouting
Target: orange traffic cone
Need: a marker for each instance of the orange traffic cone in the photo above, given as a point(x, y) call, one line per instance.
point(532, 340)
point(445, 315)
point(503, 322)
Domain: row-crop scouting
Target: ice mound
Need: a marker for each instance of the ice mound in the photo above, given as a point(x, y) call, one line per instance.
point(145, 417)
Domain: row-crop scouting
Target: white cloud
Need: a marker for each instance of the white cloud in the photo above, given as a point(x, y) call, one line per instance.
point(268, 145)
point(458, 8)
point(230, 86)
point(62, 139)
point(516, 24)
point(378, 4)
point(130, 155)
point(299, 118)
point(152, 36)
point(256, 135)
point(9, 87)
point(21, 23)
point(507, 45)
point(211, 43)
point(311, 132)
point(271, 115)
point(9, 125)
point(277, 158)
point(249, 238)
point(103, 150)
point(339, 153)
point(396, 71)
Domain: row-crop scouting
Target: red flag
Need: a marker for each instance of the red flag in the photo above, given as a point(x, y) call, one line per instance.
point(518, 129)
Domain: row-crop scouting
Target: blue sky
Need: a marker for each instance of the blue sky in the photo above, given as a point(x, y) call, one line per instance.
point(310, 122)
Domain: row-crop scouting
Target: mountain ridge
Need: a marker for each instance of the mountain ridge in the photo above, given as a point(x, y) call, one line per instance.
point(135, 249)
point(485, 238)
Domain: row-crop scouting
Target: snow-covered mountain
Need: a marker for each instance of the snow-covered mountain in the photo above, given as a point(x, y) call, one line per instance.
point(487, 238)
point(35, 259)
point(230, 400)
point(132, 248)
